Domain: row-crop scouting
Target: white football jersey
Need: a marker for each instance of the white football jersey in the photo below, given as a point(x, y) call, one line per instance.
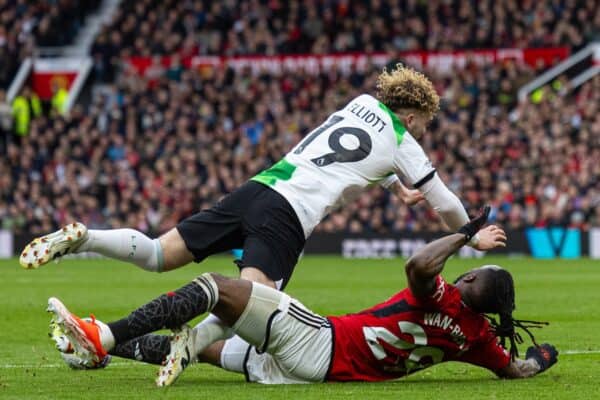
point(360, 145)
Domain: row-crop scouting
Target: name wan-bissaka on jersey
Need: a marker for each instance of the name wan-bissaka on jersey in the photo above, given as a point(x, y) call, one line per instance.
point(368, 116)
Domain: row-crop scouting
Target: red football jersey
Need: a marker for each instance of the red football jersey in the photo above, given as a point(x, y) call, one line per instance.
point(406, 334)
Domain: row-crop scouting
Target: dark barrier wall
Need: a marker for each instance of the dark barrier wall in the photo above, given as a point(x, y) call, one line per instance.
point(402, 244)
point(539, 242)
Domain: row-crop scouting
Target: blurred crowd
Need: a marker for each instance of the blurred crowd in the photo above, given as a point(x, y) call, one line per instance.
point(150, 150)
point(146, 156)
point(149, 27)
point(268, 27)
point(25, 24)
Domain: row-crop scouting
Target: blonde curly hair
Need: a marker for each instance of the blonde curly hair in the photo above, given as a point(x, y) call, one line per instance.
point(405, 88)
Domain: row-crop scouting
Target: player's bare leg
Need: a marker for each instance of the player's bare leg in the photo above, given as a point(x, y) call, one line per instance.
point(226, 297)
point(209, 336)
point(212, 331)
point(207, 340)
point(212, 354)
point(163, 254)
point(256, 275)
point(175, 252)
point(185, 342)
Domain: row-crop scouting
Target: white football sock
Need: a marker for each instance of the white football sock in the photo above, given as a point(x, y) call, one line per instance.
point(208, 331)
point(106, 336)
point(125, 245)
point(233, 354)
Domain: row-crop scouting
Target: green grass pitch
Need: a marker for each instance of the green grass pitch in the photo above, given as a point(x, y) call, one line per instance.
point(566, 293)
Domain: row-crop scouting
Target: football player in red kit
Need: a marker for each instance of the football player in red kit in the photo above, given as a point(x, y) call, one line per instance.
point(429, 322)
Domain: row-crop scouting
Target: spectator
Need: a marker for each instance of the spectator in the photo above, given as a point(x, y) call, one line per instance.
point(60, 95)
point(25, 106)
point(6, 120)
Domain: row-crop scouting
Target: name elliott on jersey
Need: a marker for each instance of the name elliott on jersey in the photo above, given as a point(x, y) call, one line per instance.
point(368, 116)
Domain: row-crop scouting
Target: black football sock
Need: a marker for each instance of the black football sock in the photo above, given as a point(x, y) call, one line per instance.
point(150, 348)
point(169, 310)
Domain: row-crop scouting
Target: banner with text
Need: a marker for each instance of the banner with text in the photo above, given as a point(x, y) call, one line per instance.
point(440, 61)
point(395, 245)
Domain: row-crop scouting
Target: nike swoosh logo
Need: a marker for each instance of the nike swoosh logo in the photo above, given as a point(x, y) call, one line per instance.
point(59, 254)
point(185, 361)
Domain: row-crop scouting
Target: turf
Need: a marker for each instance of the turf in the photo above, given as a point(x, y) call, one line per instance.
point(563, 292)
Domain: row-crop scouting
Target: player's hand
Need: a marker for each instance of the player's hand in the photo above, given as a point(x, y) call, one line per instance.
point(490, 237)
point(471, 228)
point(546, 355)
point(410, 197)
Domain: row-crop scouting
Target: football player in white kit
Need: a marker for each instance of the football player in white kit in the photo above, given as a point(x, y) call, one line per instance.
point(372, 140)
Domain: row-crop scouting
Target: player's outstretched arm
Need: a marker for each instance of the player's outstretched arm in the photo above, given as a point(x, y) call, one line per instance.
point(451, 210)
point(428, 262)
point(537, 360)
point(445, 203)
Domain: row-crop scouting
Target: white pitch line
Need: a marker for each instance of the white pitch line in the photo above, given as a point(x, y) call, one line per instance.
point(578, 352)
point(123, 364)
point(60, 365)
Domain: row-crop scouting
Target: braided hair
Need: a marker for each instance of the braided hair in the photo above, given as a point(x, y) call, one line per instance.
point(497, 296)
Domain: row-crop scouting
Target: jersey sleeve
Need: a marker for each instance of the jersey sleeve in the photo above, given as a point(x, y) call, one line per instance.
point(411, 162)
point(388, 181)
point(443, 295)
point(445, 203)
point(488, 354)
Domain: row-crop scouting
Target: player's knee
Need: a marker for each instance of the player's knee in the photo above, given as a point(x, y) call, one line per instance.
point(256, 275)
point(174, 251)
point(219, 285)
point(223, 282)
point(233, 295)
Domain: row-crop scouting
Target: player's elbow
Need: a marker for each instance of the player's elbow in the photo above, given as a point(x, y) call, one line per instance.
point(415, 264)
point(449, 205)
point(408, 267)
point(446, 207)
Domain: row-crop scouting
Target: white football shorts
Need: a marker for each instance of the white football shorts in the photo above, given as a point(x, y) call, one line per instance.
point(288, 342)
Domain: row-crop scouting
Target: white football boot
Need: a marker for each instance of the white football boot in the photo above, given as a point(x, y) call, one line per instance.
point(43, 249)
point(181, 355)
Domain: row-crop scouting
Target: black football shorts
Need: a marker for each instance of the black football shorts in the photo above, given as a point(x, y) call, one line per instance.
point(255, 218)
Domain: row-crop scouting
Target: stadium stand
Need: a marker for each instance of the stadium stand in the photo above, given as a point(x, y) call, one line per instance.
point(153, 27)
point(145, 158)
point(155, 148)
point(274, 27)
point(26, 24)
